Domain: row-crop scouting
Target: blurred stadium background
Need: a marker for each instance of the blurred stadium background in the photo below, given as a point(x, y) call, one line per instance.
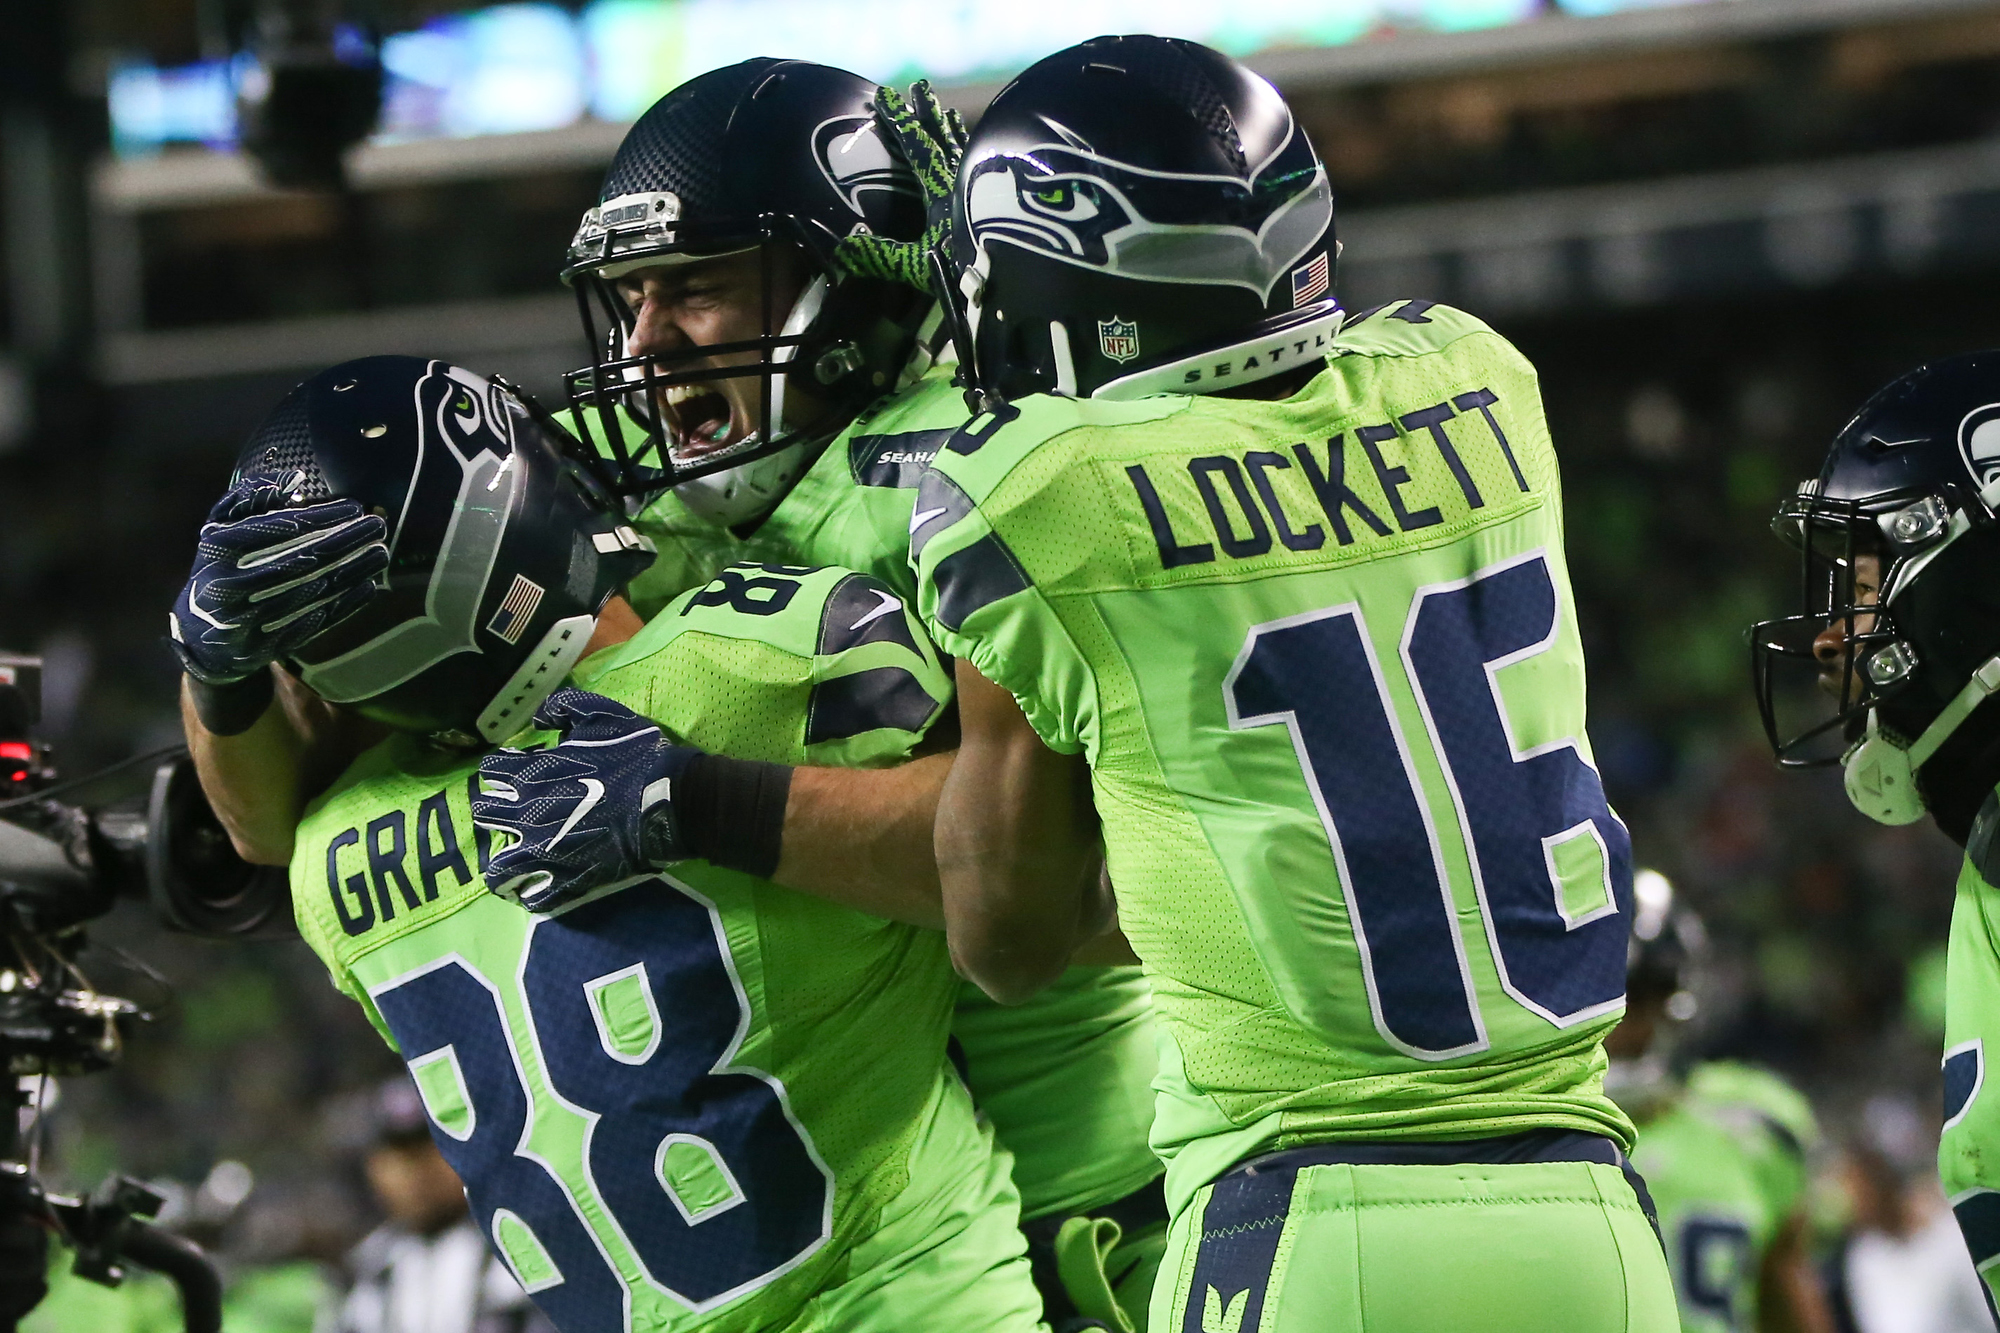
point(1715, 227)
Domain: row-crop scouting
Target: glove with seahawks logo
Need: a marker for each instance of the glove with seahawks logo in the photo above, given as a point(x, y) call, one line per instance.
point(931, 138)
point(595, 808)
point(269, 574)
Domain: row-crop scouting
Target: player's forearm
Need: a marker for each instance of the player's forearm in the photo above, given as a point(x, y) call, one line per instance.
point(862, 838)
point(1018, 863)
point(1791, 1299)
point(1015, 911)
point(1109, 947)
point(259, 780)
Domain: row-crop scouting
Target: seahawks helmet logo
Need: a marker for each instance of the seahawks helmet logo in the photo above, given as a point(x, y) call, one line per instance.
point(1979, 443)
point(1097, 213)
point(856, 162)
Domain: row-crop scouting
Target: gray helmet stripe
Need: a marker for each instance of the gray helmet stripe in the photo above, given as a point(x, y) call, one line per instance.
point(1208, 254)
point(451, 604)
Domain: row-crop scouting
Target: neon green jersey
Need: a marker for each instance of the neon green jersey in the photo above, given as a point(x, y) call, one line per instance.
point(1725, 1163)
point(851, 508)
point(1323, 659)
point(682, 1103)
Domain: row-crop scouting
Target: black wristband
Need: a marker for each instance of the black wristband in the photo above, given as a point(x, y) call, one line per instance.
point(230, 710)
point(731, 812)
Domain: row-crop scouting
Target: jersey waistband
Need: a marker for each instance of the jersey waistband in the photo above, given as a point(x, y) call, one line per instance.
point(1535, 1145)
point(1538, 1145)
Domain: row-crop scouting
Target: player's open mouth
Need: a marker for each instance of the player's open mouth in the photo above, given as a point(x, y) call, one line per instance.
point(700, 420)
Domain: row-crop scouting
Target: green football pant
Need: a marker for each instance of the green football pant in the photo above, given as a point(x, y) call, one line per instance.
point(948, 1252)
point(1067, 1082)
point(1536, 1247)
point(1969, 1152)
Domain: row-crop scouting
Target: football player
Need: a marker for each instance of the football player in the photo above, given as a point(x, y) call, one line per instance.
point(688, 1101)
point(757, 256)
point(1723, 1149)
point(1900, 623)
point(1274, 609)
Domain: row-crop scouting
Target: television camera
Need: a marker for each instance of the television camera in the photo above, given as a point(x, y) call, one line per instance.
point(62, 866)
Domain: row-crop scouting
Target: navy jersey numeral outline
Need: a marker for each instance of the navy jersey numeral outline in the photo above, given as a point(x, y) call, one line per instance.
point(585, 1286)
point(1426, 1012)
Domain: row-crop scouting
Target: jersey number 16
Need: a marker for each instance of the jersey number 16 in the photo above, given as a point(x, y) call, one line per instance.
point(1524, 815)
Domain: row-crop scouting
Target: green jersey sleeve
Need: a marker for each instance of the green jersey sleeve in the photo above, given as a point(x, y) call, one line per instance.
point(797, 665)
point(1772, 1119)
point(686, 1102)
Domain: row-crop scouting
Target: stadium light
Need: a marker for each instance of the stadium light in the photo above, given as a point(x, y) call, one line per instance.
point(533, 66)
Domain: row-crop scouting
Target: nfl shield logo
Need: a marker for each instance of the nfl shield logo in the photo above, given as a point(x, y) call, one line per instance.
point(1118, 338)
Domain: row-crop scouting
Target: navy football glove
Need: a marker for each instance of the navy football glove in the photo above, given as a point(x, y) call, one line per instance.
point(593, 809)
point(269, 574)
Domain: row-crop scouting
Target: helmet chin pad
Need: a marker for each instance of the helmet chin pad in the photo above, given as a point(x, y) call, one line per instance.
point(1881, 776)
point(749, 490)
point(1881, 781)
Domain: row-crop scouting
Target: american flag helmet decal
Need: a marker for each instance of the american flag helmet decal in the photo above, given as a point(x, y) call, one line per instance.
point(1309, 281)
point(517, 608)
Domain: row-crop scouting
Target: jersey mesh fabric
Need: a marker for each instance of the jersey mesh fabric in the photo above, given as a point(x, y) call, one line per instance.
point(1116, 630)
point(1968, 1166)
point(845, 1012)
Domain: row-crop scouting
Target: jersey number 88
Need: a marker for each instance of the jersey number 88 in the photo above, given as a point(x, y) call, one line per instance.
point(710, 1183)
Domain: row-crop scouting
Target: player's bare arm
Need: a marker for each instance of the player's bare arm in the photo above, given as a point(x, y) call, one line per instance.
point(862, 838)
point(857, 837)
point(1017, 849)
point(259, 780)
point(1791, 1299)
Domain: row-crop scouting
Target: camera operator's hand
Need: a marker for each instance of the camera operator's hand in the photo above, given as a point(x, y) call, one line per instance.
point(269, 574)
point(593, 809)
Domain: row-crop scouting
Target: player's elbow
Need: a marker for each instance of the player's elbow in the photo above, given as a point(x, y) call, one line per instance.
point(1011, 971)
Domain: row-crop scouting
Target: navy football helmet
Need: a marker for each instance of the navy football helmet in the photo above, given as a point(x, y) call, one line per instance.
point(766, 156)
point(1140, 215)
point(501, 554)
point(1900, 602)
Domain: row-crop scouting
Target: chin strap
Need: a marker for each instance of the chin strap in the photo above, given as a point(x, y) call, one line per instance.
point(1881, 776)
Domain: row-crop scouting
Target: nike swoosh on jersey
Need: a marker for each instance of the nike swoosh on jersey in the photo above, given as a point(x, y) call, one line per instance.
point(890, 602)
point(593, 792)
point(923, 516)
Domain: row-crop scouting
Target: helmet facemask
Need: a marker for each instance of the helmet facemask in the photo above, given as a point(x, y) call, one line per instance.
point(1814, 702)
point(1892, 696)
point(663, 418)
